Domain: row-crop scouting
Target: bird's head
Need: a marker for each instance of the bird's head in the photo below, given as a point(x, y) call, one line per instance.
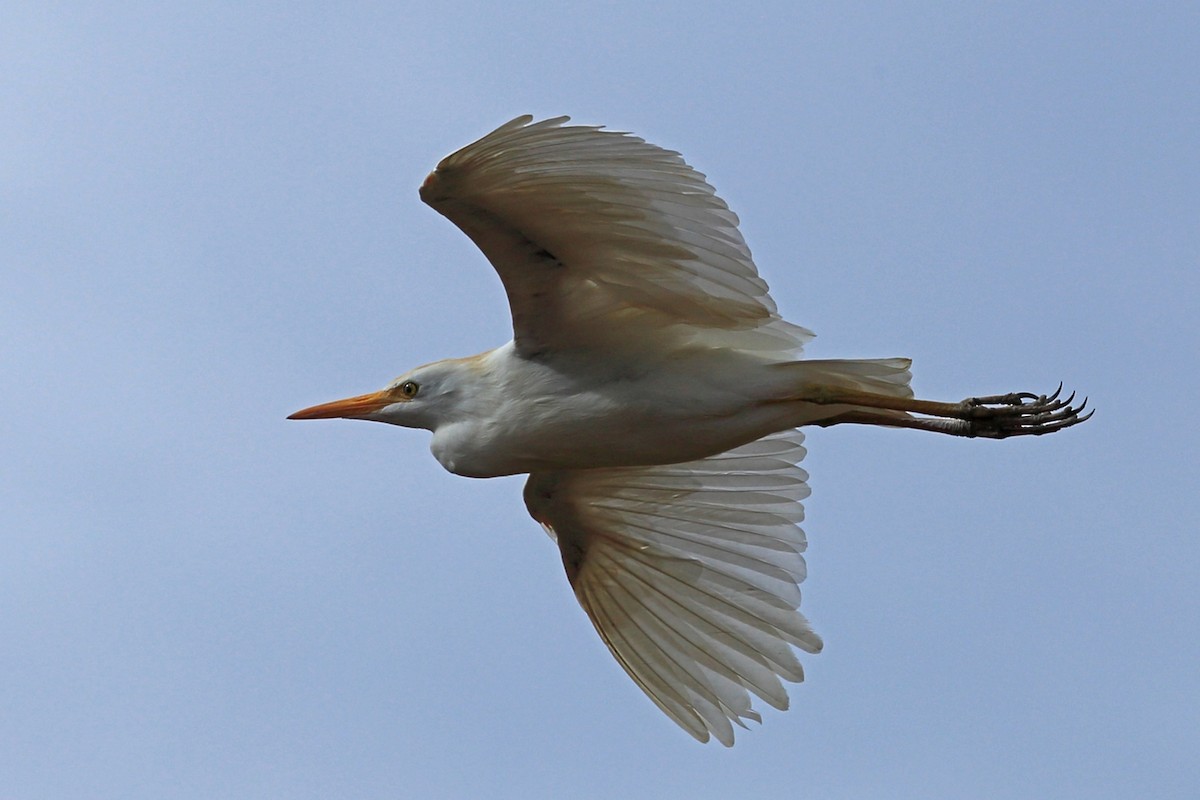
point(420, 398)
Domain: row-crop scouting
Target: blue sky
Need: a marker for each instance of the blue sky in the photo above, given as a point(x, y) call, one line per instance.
point(209, 219)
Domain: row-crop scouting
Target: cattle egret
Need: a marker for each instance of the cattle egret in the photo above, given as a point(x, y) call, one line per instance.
point(652, 393)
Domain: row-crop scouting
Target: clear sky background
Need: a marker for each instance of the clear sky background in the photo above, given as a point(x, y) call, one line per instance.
point(209, 219)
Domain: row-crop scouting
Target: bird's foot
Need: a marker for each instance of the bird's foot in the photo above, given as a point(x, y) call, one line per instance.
point(1020, 414)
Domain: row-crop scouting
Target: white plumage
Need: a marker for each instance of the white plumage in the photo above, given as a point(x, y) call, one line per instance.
point(652, 393)
point(630, 219)
point(689, 573)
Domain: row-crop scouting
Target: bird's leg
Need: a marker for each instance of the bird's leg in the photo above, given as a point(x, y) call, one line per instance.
point(951, 426)
point(993, 417)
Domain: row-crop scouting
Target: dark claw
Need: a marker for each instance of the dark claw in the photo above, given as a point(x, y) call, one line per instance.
point(1023, 414)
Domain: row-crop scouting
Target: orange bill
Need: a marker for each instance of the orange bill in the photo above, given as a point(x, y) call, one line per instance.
point(358, 406)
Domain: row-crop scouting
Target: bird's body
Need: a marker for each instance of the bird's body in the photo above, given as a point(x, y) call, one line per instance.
point(521, 415)
point(652, 393)
point(502, 414)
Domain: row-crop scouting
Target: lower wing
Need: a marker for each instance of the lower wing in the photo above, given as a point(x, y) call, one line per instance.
point(690, 574)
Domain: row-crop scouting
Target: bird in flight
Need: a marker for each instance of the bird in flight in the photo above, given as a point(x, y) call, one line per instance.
point(653, 395)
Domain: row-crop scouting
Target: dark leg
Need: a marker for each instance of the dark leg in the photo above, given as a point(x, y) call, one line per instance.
point(993, 417)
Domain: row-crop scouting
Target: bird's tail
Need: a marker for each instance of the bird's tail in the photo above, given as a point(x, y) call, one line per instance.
point(812, 385)
point(885, 376)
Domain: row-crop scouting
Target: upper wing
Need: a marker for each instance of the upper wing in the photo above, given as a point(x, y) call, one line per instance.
point(689, 573)
point(598, 236)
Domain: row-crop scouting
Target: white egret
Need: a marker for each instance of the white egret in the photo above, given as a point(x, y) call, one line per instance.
point(652, 393)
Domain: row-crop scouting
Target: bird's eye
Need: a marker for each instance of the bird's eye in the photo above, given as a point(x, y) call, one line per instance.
point(409, 389)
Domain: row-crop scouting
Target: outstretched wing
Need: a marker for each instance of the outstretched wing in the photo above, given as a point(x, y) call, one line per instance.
point(599, 236)
point(690, 574)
